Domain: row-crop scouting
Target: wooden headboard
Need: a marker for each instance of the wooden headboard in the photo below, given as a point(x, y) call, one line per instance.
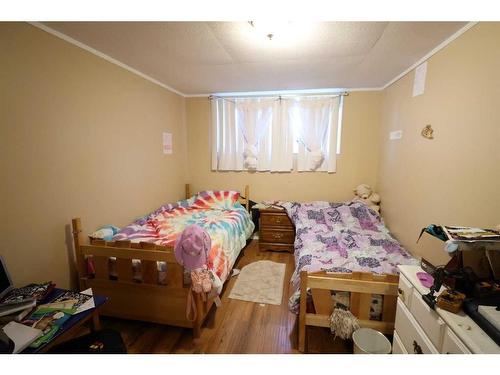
point(244, 200)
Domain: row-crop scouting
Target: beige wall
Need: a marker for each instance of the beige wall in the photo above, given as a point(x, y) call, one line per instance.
point(79, 137)
point(357, 163)
point(82, 137)
point(454, 178)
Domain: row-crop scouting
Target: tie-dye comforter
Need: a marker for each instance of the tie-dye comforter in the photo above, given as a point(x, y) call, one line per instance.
point(341, 237)
point(218, 212)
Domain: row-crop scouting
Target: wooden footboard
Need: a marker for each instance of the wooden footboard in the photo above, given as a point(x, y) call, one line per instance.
point(361, 287)
point(148, 298)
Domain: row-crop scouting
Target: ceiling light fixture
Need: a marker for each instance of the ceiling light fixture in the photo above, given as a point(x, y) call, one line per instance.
point(270, 29)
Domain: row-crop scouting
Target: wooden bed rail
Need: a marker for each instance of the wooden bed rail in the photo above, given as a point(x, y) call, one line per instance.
point(156, 296)
point(361, 287)
point(121, 268)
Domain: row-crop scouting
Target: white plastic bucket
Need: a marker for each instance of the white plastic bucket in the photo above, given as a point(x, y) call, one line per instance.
point(370, 341)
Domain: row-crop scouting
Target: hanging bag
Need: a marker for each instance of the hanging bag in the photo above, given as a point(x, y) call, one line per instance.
point(191, 252)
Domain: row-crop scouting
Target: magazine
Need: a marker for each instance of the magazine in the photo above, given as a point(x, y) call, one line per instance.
point(49, 318)
point(471, 234)
point(70, 302)
point(31, 292)
point(47, 322)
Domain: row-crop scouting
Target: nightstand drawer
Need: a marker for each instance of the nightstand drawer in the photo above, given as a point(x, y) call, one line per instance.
point(277, 236)
point(275, 220)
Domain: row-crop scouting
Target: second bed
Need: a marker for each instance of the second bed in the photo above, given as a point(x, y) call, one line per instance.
point(343, 254)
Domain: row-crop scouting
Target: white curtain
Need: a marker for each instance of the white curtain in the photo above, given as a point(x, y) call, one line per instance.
point(254, 117)
point(227, 140)
point(282, 139)
point(315, 121)
point(249, 134)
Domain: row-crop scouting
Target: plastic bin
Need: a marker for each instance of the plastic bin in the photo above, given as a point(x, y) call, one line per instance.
point(370, 341)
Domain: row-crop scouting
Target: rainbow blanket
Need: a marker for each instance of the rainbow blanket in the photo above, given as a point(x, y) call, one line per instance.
point(218, 212)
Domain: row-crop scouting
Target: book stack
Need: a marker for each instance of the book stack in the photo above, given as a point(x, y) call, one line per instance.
point(50, 317)
point(18, 302)
point(34, 325)
point(21, 335)
point(15, 305)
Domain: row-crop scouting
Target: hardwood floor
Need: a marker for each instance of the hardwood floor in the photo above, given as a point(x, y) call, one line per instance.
point(235, 327)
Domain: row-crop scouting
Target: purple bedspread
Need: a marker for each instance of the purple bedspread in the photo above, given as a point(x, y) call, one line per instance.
point(342, 237)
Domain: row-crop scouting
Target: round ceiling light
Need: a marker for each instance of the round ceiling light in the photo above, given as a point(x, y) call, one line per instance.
point(271, 28)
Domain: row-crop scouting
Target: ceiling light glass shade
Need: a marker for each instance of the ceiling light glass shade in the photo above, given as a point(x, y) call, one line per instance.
point(272, 29)
point(278, 35)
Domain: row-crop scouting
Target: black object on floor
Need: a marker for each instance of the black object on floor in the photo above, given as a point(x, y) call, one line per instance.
point(105, 341)
point(6, 344)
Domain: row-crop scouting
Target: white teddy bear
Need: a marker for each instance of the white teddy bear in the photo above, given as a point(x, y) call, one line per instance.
point(364, 193)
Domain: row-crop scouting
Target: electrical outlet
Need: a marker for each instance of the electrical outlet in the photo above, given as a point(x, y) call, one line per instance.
point(397, 134)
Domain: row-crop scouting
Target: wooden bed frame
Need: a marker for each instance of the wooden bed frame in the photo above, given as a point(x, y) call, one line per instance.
point(361, 286)
point(147, 300)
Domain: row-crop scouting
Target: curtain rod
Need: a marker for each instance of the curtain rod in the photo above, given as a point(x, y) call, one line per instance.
point(278, 96)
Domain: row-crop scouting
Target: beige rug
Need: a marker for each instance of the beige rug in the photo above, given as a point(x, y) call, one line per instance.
point(260, 282)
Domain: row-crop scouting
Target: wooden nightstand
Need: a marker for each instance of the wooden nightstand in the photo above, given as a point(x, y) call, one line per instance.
point(276, 231)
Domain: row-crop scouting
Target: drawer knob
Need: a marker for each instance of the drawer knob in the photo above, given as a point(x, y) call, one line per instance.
point(401, 292)
point(417, 349)
point(278, 236)
point(278, 220)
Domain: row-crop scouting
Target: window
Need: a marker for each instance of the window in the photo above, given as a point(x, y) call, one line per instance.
point(339, 130)
point(263, 133)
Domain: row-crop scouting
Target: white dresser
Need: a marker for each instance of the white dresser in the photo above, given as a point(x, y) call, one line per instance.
point(419, 329)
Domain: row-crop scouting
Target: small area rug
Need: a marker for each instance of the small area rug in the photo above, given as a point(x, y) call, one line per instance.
point(260, 282)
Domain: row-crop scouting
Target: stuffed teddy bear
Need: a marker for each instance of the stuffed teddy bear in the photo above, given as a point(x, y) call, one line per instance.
point(316, 159)
point(250, 155)
point(364, 193)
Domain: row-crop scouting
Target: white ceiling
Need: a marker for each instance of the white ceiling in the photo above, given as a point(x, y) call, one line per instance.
point(207, 57)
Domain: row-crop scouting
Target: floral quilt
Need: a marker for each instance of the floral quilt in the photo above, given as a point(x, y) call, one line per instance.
point(218, 212)
point(342, 237)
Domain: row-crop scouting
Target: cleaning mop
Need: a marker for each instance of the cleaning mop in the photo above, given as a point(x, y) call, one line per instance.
point(342, 322)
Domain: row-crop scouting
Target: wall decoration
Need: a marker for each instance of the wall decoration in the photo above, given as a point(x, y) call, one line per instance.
point(419, 79)
point(428, 132)
point(167, 143)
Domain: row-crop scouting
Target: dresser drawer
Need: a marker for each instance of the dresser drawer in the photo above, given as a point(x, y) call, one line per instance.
point(452, 344)
point(410, 334)
point(428, 319)
point(405, 290)
point(275, 220)
point(277, 236)
point(397, 345)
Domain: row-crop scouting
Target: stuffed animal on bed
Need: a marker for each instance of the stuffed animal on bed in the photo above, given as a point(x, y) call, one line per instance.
point(364, 193)
point(105, 233)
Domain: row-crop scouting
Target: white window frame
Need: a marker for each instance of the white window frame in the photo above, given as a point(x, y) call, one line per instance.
point(281, 94)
